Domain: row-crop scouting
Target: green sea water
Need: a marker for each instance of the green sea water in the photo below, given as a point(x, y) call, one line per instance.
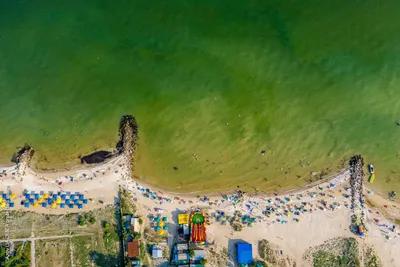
point(211, 83)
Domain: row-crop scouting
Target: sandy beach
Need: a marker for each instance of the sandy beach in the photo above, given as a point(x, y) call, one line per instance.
point(325, 212)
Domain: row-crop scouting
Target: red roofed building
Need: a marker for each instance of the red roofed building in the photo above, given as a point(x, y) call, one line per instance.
point(133, 249)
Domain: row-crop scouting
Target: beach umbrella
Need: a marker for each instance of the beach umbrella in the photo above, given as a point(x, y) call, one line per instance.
point(165, 219)
point(54, 205)
point(165, 227)
point(81, 197)
point(58, 201)
point(3, 204)
point(161, 224)
point(27, 196)
point(80, 206)
point(161, 232)
point(4, 195)
point(13, 195)
point(63, 196)
point(67, 201)
point(11, 204)
point(41, 193)
point(40, 199)
point(158, 228)
point(50, 201)
point(62, 205)
point(36, 196)
point(32, 201)
point(26, 204)
point(35, 205)
point(1, 199)
point(85, 201)
point(71, 206)
point(76, 201)
point(46, 195)
point(157, 220)
point(44, 204)
point(54, 196)
point(72, 196)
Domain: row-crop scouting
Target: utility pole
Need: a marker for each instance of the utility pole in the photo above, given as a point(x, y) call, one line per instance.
point(7, 225)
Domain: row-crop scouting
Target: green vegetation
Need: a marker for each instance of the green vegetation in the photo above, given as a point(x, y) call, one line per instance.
point(21, 256)
point(337, 253)
point(127, 206)
point(203, 261)
point(110, 236)
point(84, 218)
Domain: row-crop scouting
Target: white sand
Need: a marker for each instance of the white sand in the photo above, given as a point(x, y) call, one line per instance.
point(292, 238)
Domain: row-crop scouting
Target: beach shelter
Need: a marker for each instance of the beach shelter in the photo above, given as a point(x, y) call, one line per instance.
point(11, 204)
point(85, 201)
point(13, 195)
point(44, 204)
point(245, 253)
point(71, 206)
point(54, 205)
point(62, 205)
point(35, 205)
point(80, 206)
point(46, 195)
point(26, 204)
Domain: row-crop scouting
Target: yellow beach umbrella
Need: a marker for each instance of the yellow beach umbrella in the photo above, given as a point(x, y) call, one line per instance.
point(1, 199)
point(35, 205)
point(161, 223)
point(161, 232)
point(58, 201)
point(3, 204)
point(13, 195)
point(40, 199)
point(46, 196)
point(54, 205)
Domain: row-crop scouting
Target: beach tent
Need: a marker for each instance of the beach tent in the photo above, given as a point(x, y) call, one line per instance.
point(245, 253)
point(71, 206)
point(26, 204)
point(44, 204)
point(62, 205)
point(80, 206)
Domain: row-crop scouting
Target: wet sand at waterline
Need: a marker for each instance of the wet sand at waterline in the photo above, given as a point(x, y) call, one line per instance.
point(211, 85)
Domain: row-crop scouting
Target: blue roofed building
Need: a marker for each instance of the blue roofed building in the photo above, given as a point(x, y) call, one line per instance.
point(245, 254)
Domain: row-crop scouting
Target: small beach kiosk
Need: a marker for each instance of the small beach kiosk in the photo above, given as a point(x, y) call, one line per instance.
point(245, 254)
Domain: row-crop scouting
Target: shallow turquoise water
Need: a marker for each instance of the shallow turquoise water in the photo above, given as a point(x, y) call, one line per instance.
point(308, 81)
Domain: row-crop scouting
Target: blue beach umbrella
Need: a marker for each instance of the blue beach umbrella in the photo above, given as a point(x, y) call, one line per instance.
point(26, 204)
point(50, 201)
point(32, 201)
point(63, 196)
point(11, 204)
point(72, 196)
point(85, 201)
point(76, 201)
point(62, 205)
point(27, 196)
point(67, 201)
point(81, 197)
point(54, 196)
point(80, 206)
point(71, 206)
point(44, 204)
point(36, 196)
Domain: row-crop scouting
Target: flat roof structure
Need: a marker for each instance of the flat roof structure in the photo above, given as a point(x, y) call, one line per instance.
point(245, 253)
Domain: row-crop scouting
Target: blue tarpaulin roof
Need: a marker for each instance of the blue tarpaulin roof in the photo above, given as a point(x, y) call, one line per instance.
point(245, 254)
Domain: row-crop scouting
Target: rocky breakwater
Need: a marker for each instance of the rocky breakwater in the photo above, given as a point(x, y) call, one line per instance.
point(127, 145)
point(357, 185)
